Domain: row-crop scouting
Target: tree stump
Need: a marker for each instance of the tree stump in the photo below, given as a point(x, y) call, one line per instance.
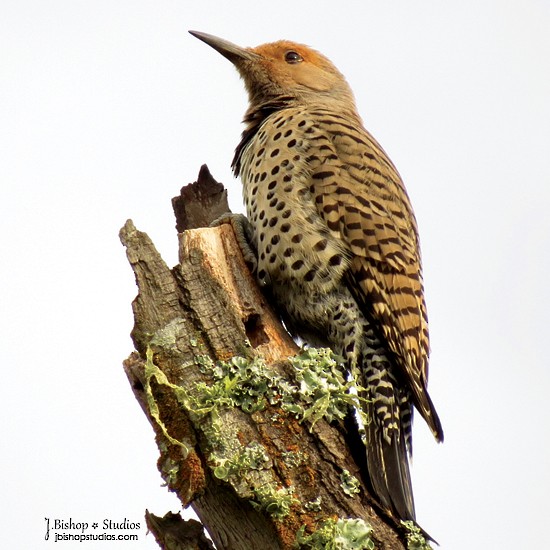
point(245, 436)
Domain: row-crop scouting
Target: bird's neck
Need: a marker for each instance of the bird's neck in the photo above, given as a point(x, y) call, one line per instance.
point(254, 118)
point(258, 113)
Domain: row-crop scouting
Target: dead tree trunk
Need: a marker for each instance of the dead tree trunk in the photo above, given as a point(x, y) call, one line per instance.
point(244, 434)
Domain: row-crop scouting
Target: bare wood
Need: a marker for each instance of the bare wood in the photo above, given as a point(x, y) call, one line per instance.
point(209, 305)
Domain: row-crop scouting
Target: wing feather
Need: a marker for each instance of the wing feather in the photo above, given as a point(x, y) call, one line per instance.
point(361, 196)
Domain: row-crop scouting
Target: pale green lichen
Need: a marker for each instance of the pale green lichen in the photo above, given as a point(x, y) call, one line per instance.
point(252, 457)
point(322, 387)
point(275, 501)
point(350, 484)
point(293, 459)
point(313, 505)
point(321, 391)
point(248, 470)
point(169, 471)
point(239, 382)
point(249, 385)
point(167, 337)
point(152, 371)
point(415, 537)
point(342, 534)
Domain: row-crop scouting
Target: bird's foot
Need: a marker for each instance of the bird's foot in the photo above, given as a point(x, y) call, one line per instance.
point(244, 235)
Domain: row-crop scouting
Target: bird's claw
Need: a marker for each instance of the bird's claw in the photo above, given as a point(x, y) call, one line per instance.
point(244, 236)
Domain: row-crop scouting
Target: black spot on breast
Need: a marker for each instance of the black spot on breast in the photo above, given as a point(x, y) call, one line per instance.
point(320, 245)
point(310, 275)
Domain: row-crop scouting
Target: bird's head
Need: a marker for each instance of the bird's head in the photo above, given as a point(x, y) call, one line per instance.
point(284, 69)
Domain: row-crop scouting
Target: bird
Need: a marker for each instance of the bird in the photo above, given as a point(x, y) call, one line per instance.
point(337, 244)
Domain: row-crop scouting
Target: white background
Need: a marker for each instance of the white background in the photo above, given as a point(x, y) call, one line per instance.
point(108, 107)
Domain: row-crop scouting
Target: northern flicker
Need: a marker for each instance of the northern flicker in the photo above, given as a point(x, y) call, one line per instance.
point(337, 243)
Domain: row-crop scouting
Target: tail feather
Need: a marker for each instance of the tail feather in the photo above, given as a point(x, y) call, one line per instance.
point(432, 418)
point(388, 470)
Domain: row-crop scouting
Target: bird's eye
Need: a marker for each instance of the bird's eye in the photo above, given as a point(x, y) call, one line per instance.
point(293, 57)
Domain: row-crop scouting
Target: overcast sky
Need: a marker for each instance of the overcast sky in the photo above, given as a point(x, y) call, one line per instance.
point(108, 107)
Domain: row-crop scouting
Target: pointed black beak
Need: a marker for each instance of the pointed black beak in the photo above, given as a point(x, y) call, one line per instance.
point(229, 50)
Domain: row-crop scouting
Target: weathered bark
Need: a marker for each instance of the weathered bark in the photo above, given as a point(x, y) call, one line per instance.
point(174, 533)
point(209, 306)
